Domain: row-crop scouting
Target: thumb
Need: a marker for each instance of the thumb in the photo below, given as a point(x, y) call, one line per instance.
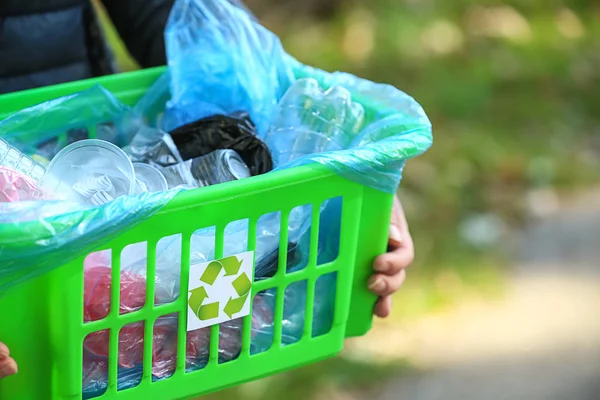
point(395, 237)
point(8, 367)
point(4, 353)
point(395, 232)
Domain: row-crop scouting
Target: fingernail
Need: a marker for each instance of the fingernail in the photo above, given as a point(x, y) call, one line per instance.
point(378, 285)
point(395, 236)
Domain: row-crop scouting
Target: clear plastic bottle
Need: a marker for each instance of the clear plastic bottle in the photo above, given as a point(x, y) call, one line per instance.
point(13, 159)
point(220, 166)
point(309, 120)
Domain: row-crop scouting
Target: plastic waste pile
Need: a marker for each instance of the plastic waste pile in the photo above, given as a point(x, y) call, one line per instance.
point(228, 108)
point(94, 173)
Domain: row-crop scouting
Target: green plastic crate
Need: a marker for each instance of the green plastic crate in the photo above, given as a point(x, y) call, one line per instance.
point(42, 319)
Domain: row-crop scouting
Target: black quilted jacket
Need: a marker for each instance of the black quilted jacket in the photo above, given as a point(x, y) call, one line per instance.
point(43, 42)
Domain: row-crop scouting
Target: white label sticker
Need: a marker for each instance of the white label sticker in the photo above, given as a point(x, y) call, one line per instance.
point(220, 290)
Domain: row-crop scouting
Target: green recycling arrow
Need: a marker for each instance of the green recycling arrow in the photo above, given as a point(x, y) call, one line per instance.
point(242, 286)
point(234, 306)
point(212, 272)
point(231, 264)
point(202, 311)
point(208, 311)
point(196, 299)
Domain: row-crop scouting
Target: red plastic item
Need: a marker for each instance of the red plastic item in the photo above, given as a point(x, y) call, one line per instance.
point(97, 293)
point(15, 186)
point(164, 347)
point(97, 284)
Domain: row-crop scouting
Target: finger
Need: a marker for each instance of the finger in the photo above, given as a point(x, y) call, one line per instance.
point(392, 263)
point(8, 367)
point(4, 352)
point(383, 307)
point(384, 285)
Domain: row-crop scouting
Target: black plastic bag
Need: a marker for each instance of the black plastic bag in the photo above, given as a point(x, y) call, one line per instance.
point(236, 132)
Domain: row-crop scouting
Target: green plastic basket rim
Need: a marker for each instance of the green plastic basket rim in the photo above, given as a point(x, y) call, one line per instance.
point(14, 102)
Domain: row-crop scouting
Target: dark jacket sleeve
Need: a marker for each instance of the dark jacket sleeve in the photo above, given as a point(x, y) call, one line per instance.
point(141, 24)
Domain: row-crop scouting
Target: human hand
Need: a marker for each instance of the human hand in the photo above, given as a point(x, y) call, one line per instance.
point(8, 366)
point(390, 267)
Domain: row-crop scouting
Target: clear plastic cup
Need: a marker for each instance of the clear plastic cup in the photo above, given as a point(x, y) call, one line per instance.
point(90, 171)
point(149, 179)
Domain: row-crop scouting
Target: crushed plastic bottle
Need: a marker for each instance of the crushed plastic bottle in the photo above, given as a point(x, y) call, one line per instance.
point(309, 120)
point(154, 147)
point(13, 159)
point(217, 167)
point(19, 175)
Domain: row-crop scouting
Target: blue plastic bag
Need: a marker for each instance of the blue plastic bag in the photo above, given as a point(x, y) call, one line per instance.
point(222, 61)
point(46, 128)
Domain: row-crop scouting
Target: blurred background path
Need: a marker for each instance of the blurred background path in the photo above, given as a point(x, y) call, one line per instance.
point(541, 341)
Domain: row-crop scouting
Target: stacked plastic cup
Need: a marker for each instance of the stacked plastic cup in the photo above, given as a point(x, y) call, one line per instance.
point(91, 172)
point(149, 179)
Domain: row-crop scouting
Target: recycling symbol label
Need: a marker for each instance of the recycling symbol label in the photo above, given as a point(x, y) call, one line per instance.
point(220, 290)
